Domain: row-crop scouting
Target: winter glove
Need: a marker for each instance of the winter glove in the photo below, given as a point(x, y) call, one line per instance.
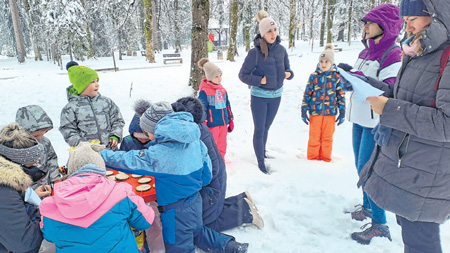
point(382, 134)
point(305, 117)
point(345, 66)
point(341, 118)
point(230, 125)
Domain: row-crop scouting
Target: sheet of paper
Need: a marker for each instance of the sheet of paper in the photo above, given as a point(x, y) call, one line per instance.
point(361, 89)
point(31, 197)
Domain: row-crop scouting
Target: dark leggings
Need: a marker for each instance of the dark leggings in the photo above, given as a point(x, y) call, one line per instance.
point(263, 111)
point(420, 237)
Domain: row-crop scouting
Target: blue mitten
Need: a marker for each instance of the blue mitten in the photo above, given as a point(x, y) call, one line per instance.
point(382, 134)
point(305, 117)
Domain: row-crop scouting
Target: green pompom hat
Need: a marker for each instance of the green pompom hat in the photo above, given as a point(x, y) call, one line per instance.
point(81, 77)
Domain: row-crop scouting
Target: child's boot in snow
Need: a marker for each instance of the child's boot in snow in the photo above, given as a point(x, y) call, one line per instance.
point(236, 247)
point(257, 219)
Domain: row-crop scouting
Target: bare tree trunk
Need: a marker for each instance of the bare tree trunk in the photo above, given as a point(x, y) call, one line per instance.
point(349, 22)
point(91, 52)
point(233, 33)
point(372, 4)
point(292, 23)
point(148, 28)
point(330, 18)
point(20, 43)
point(156, 12)
point(37, 52)
point(322, 22)
point(119, 42)
point(199, 40)
point(177, 28)
point(311, 25)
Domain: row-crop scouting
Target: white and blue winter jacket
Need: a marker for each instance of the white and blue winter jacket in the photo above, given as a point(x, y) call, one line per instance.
point(177, 159)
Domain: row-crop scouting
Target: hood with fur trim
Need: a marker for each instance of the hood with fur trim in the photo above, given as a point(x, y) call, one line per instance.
point(12, 175)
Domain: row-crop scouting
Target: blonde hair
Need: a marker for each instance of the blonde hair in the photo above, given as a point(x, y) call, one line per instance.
point(12, 136)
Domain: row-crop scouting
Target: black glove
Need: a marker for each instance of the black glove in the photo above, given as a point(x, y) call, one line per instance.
point(341, 118)
point(305, 117)
point(345, 66)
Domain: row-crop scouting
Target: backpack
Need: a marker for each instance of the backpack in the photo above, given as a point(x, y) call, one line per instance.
point(444, 60)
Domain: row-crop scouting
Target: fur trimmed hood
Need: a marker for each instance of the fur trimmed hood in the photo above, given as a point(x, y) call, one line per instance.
point(12, 175)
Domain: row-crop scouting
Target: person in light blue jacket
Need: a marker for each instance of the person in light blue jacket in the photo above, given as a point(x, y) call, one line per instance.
point(180, 163)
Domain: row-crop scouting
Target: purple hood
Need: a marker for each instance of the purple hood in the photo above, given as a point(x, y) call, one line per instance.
point(388, 17)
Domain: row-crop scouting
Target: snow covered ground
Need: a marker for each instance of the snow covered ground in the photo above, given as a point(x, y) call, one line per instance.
point(302, 202)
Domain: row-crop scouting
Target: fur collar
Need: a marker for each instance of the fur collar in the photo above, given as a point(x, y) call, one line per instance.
point(12, 175)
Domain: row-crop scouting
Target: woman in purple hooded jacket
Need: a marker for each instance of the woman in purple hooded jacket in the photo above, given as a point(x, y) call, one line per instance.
point(380, 60)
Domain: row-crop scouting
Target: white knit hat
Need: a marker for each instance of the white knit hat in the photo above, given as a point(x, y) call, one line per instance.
point(85, 153)
point(265, 25)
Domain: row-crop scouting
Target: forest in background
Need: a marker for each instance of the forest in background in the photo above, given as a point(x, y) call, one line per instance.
point(47, 29)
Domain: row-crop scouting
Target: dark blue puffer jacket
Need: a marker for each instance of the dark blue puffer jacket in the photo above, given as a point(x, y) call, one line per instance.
point(255, 66)
point(130, 142)
point(213, 194)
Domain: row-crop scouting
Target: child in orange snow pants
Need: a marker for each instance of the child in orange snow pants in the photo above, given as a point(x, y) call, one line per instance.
point(321, 131)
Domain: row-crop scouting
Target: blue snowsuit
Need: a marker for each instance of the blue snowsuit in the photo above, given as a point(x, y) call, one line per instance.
point(181, 166)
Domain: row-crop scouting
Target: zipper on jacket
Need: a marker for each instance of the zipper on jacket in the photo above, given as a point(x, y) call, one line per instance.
point(400, 156)
point(95, 118)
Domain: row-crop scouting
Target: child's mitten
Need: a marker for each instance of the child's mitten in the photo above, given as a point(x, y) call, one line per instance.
point(230, 125)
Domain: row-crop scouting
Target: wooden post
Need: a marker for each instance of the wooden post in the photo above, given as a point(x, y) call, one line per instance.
point(114, 60)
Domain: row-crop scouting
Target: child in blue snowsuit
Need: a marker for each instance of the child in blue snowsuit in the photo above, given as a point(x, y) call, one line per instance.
point(180, 163)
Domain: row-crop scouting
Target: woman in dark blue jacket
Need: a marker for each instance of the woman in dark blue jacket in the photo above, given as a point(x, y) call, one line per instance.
point(264, 69)
point(19, 230)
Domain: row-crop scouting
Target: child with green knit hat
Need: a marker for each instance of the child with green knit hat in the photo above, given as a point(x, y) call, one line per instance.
point(89, 116)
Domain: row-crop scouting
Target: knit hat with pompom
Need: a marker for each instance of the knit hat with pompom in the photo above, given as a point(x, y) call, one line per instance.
point(211, 70)
point(80, 76)
point(85, 153)
point(328, 53)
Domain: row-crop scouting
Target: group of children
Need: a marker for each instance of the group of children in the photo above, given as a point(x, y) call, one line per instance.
point(156, 146)
point(187, 182)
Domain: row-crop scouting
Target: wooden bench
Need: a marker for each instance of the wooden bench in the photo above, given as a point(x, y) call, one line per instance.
point(337, 48)
point(143, 53)
point(172, 57)
point(223, 48)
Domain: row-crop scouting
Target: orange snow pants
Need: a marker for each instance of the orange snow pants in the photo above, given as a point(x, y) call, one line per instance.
point(320, 144)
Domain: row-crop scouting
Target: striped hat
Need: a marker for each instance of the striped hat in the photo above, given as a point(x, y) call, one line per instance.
point(153, 114)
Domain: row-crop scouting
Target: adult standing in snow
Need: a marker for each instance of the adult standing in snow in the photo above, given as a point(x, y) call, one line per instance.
point(380, 60)
point(410, 175)
point(264, 69)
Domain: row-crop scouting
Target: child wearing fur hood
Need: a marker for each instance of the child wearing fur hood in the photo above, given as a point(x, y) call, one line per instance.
point(323, 99)
point(214, 97)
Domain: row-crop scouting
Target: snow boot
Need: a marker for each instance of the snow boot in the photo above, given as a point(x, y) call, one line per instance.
point(361, 213)
point(257, 219)
point(236, 247)
point(262, 166)
point(376, 230)
point(247, 195)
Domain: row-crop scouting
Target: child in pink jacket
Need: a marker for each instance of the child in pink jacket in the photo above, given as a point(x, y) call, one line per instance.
point(90, 213)
point(214, 97)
